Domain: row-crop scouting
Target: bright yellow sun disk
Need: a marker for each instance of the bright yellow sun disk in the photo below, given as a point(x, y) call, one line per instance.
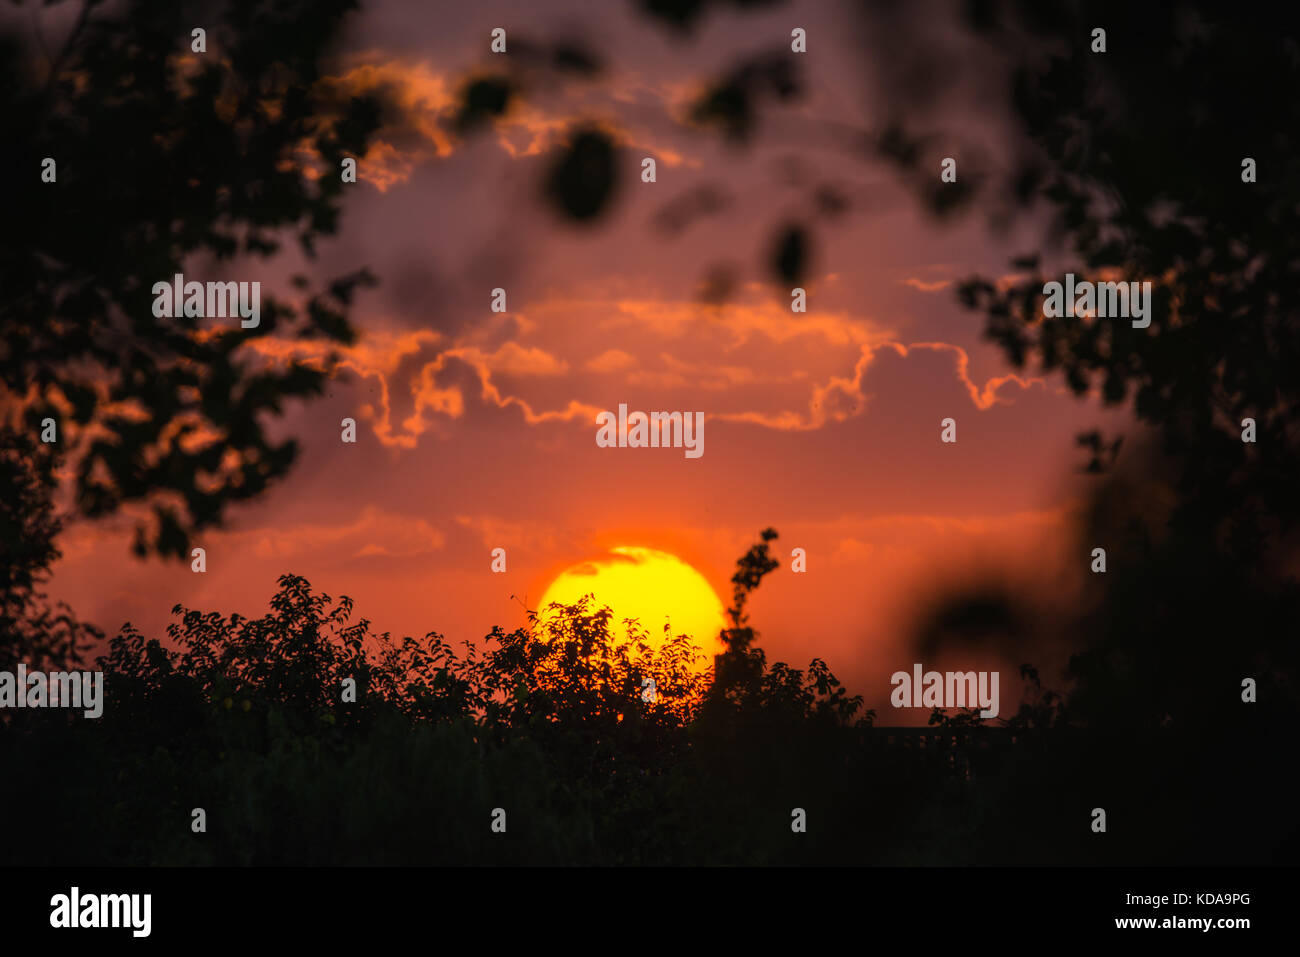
point(651, 586)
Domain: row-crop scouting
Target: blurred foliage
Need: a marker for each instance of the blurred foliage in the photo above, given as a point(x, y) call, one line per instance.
point(204, 159)
point(1200, 527)
point(164, 158)
point(584, 174)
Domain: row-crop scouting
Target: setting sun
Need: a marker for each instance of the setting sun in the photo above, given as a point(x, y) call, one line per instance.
point(653, 587)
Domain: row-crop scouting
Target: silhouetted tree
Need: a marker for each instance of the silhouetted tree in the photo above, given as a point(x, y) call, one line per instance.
point(183, 158)
point(31, 629)
point(163, 157)
point(1138, 189)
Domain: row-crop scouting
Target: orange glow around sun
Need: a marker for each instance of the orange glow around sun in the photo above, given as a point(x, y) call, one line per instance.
point(651, 586)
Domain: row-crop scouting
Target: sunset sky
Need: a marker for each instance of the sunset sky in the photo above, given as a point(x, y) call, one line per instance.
point(477, 430)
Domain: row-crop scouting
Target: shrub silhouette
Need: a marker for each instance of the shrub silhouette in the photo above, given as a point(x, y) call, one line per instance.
point(245, 718)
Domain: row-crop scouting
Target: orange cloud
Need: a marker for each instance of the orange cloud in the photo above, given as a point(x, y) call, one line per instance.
point(745, 321)
point(423, 102)
point(611, 360)
point(796, 359)
point(497, 532)
point(984, 397)
point(924, 286)
point(401, 535)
